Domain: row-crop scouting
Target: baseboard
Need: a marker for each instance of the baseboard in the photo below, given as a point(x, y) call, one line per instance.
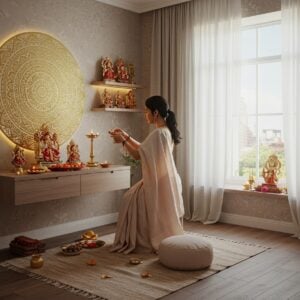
point(65, 228)
point(260, 223)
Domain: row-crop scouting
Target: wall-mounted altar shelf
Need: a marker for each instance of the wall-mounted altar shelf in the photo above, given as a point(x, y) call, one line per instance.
point(116, 109)
point(115, 84)
point(28, 188)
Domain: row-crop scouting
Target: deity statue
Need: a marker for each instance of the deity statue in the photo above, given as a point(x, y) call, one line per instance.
point(18, 158)
point(130, 99)
point(271, 170)
point(46, 146)
point(122, 72)
point(73, 152)
point(118, 100)
point(131, 73)
point(107, 99)
point(108, 72)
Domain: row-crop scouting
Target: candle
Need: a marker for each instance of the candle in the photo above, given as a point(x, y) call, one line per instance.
point(92, 132)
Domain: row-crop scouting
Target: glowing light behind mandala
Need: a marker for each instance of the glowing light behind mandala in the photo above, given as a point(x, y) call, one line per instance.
point(40, 82)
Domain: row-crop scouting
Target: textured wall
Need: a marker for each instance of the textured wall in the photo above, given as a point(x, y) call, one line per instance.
point(146, 51)
point(257, 7)
point(90, 30)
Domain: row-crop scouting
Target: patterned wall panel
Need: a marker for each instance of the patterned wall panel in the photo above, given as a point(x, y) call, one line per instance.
point(40, 82)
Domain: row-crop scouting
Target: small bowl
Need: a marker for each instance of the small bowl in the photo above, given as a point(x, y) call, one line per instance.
point(104, 165)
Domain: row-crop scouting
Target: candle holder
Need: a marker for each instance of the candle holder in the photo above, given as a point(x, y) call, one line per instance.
point(92, 136)
point(251, 181)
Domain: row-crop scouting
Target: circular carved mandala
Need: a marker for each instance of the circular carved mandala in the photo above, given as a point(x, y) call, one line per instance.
point(40, 83)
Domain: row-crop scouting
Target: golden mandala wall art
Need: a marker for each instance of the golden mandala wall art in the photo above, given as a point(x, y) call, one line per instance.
point(40, 82)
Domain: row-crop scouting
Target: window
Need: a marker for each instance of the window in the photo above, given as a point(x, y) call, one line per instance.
point(258, 123)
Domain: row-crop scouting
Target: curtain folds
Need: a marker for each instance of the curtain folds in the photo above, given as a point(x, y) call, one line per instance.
point(291, 108)
point(195, 51)
point(171, 77)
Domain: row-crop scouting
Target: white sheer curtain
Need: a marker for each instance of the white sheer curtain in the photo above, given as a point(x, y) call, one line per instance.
point(291, 95)
point(195, 48)
point(216, 76)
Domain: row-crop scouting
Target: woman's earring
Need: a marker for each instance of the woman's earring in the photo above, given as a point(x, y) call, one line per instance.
point(155, 116)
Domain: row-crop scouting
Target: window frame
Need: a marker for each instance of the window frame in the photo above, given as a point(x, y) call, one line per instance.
point(254, 22)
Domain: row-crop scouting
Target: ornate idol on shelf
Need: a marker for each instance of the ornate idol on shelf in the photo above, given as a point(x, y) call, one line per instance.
point(107, 99)
point(73, 152)
point(46, 146)
point(118, 100)
point(122, 72)
point(18, 159)
point(108, 72)
point(130, 100)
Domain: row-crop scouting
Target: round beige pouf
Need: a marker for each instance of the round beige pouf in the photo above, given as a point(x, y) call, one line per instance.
point(185, 252)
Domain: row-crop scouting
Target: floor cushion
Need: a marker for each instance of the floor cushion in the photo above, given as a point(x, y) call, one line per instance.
point(185, 252)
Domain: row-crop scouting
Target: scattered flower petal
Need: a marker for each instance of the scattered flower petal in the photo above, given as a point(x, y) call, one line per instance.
point(91, 262)
point(146, 275)
point(135, 261)
point(105, 276)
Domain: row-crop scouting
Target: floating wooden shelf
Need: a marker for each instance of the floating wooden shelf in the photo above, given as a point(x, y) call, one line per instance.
point(114, 84)
point(24, 189)
point(117, 109)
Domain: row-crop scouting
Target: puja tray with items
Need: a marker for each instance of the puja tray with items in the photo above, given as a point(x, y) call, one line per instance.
point(89, 244)
point(37, 170)
point(71, 249)
point(66, 167)
point(89, 240)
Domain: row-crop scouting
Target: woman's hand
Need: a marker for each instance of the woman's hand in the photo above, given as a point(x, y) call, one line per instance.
point(118, 135)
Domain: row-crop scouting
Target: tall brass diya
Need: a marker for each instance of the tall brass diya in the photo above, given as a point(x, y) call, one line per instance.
point(92, 135)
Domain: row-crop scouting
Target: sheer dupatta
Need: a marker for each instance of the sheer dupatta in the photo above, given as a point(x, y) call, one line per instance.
point(162, 186)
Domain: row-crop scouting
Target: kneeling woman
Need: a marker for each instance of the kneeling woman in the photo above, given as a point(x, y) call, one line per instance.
point(152, 208)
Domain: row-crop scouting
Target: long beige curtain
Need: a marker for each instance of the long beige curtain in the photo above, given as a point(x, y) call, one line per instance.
point(171, 59)
point(194, 53)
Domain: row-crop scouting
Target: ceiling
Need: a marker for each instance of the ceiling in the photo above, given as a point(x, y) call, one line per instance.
point(141, 6)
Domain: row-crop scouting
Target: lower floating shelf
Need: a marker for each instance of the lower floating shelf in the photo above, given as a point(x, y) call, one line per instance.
point(115, 109)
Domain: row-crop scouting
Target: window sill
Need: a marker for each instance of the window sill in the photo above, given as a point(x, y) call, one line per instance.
point(239, 190)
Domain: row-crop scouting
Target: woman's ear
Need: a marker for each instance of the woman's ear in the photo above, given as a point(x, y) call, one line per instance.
point(155, 113)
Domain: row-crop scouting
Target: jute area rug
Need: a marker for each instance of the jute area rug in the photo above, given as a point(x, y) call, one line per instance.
point(73, 273)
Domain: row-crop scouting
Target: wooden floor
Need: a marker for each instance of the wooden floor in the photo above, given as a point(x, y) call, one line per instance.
point(274, 274)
